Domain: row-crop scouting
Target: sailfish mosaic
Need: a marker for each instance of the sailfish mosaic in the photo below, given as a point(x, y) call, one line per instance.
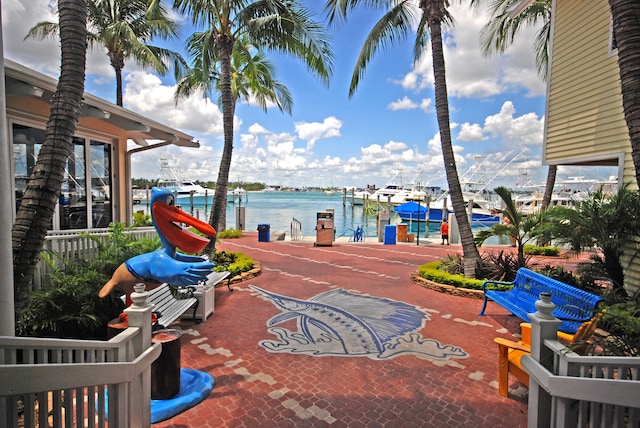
point(341, 323)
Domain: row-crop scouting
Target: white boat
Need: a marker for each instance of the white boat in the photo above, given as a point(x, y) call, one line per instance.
point(568, 193)
point(391, 192)
point(236, 195)
point(184, 188)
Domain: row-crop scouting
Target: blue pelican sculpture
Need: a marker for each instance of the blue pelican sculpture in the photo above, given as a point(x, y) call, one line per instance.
point(166, 264)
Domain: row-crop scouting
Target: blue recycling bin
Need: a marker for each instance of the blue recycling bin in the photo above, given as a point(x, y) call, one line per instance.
point(389, 235)
point(264, 231)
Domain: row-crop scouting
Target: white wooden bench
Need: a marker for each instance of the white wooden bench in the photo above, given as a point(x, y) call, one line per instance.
point(171, 302)
point(215, 278)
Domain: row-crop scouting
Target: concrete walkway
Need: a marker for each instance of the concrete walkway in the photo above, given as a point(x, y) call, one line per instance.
point(340, 336)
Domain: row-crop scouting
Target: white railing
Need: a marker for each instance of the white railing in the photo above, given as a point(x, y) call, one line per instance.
point(73, 244)
point(86, 383)
point(296, 230)
point(569, 390)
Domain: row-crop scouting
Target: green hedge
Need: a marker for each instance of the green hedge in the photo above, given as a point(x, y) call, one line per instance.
point(433, 272)
point(236, 263)
point(534, 250)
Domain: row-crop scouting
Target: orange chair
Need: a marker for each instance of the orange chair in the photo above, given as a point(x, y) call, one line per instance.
point(510, 353)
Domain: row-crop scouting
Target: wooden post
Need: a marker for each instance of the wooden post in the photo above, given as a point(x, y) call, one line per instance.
point(139, 315)
point(543, 326)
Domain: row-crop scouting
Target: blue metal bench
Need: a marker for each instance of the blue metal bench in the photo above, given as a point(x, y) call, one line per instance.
point(573, 306)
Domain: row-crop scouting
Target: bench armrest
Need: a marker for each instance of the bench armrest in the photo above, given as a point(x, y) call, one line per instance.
point(511, 344)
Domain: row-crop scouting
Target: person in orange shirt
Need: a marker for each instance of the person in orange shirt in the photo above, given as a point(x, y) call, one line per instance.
point(444, 231)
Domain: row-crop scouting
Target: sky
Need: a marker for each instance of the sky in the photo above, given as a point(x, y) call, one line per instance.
point(386, 131)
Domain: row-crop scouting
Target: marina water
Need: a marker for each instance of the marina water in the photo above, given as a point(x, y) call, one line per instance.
point(279, 209)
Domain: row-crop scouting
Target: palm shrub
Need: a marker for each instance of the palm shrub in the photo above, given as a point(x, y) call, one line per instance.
point(518, 227)
point(608, 224)
point(69, 306)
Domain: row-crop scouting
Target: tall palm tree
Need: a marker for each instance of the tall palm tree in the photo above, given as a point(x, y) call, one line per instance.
point(500, 32)
point(40, 197)
point(626, 29)
point(278, 25)
point(394, 26)
point(125, 28)
point(252, 79)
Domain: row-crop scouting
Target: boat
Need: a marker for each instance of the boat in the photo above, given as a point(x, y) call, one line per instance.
point(412, 211)
point(236, 195)
point(391, 192)
point(180, 186)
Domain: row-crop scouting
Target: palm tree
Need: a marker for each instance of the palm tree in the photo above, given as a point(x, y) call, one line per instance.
point(395, 25)
point(519, 228)
point(252, 79)
point(626, 30)
point(500, 32)
point(40, 197)
point(125, 28)
point(279, 25)
point(606, 223)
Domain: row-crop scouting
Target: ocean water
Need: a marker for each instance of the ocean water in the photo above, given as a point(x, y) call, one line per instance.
point(279, 209)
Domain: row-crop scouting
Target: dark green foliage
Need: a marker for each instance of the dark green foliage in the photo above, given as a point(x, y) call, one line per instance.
point(69, 307)
point(236, 263)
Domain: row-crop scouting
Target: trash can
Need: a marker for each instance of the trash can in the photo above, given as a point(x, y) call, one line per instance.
point(264, 230)
point(165, 371)
point(389, 235)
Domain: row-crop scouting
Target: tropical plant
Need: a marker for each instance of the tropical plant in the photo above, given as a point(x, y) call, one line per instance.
point(69, 306)
point(518, 227)
point(41, 195)
point(125, 28)
point(607, 223)
point(394, 26)
point(278, 25)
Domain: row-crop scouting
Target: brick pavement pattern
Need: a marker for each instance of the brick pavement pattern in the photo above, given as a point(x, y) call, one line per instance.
point(257, 388)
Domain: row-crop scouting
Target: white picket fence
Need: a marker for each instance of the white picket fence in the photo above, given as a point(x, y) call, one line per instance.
point(73, 244)
point(80, 383)
point(568, 390)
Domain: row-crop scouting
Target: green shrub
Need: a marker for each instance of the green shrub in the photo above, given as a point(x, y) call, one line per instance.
point(230, 234)
point(433, 271)
point(535, 250)
point(236, 263)
point(69, 306)
point(140, 219)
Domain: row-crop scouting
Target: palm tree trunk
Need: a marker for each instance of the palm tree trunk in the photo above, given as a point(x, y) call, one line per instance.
point(469, 249)
point(38, 204)
point(626, 29)
point(218, 218)
point(548, 190)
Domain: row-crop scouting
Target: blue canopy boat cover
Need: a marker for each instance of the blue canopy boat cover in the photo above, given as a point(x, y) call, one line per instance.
point(412, 211)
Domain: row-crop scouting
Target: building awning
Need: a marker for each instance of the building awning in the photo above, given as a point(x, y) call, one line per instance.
point(25, 82)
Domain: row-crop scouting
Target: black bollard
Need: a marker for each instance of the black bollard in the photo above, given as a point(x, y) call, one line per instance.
point(165, 371)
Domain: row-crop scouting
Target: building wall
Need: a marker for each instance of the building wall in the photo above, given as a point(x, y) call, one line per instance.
point(585, 117)
point(584, 113)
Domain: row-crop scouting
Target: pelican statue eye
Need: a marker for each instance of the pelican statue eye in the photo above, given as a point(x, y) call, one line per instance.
point(170, 200)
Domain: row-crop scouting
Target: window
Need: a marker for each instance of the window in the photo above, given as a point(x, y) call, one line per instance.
point(85, 198)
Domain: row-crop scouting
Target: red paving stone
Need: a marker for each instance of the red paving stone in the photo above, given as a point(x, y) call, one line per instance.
point(254, 387)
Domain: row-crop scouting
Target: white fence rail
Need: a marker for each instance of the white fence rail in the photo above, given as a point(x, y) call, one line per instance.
point(73, 244)
point(569, 390)
point(79, 383)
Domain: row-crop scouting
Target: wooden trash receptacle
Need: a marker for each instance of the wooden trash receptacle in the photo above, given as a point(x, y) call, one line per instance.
point(411, 237)
point(165, 371)
point(402, 230)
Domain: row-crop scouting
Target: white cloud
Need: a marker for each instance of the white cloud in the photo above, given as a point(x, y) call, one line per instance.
point(402, 104)
point(469, 74)
point(314, 131)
